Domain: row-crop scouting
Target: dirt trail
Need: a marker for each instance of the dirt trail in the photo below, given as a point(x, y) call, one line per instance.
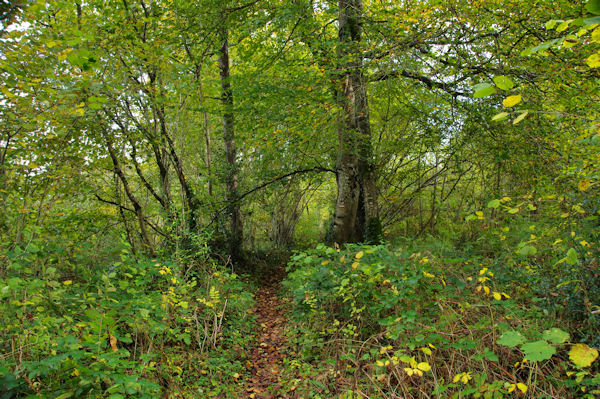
point(266, 356)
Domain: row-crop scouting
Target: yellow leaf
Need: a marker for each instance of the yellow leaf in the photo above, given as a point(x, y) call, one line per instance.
point(466, 378)
point(409, 371)
point(426, 350)
point(424, 366)
point(582, 355)
point(511, 101)
point(497, 296)
point(522, 387)
point(325, 263)
point(359, 255)
point(355, 265)
point(68, 282)
point(486, 289)
point(583, 185)
point(593, 60)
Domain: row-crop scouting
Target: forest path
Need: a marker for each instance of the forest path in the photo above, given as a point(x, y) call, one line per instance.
point(267, 355)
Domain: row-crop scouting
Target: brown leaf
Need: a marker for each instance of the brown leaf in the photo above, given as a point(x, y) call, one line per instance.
point(113, 343)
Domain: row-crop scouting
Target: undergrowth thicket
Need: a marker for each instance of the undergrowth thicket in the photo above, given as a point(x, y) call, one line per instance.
point(427, 320)
point(133, 328)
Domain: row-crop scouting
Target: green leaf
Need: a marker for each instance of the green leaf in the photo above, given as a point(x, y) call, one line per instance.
point(556, 336)
point(528, 250)
point(511, 339)
point(490, 355)
point(591, 21)
point(564, 26)
point(520, 117)
point(483, 90)
point(551, 24)
point(500, 117)
point(494, 204)
point(538, 351)
point(541, 47)
point(593, 6)
point(503, 82)
point(571, 256)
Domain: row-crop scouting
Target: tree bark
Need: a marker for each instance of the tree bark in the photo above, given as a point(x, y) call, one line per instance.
point(231, 174)
point(356, 216)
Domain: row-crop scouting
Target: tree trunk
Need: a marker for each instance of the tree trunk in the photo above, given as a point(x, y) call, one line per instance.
point(148, 247)
point(231, 174)
point(356, 217)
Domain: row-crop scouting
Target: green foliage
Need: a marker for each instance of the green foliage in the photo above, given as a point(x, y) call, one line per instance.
point(393, 318)
point(134, 328)
point(482, 135)
point(511, 339)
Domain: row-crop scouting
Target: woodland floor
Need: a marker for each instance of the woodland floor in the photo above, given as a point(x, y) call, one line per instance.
point(266, 357)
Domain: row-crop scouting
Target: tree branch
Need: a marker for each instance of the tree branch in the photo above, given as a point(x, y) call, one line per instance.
point(430, 83)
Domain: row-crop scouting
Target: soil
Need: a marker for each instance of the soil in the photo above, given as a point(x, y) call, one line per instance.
point(266, 357)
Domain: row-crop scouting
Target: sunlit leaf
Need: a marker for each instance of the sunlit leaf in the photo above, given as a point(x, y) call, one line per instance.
point(520, 117)
point(483, 90)
point(503, 82)
point(582, 355)
point(593, 60)
point(511, 101)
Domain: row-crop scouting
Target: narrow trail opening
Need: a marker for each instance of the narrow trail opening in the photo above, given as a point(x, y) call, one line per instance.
point(267, 355)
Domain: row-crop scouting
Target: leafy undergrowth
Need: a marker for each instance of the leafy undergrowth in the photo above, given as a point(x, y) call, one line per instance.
point(371, 321)
point(136, 328)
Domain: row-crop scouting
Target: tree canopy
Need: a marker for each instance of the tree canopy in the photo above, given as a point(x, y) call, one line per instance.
point(154, 151)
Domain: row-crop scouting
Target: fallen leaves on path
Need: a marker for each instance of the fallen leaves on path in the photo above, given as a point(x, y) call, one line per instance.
point(266, 356)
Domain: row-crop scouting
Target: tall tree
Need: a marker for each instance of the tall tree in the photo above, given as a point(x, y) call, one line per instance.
point(356, 215)
point(236, 228)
